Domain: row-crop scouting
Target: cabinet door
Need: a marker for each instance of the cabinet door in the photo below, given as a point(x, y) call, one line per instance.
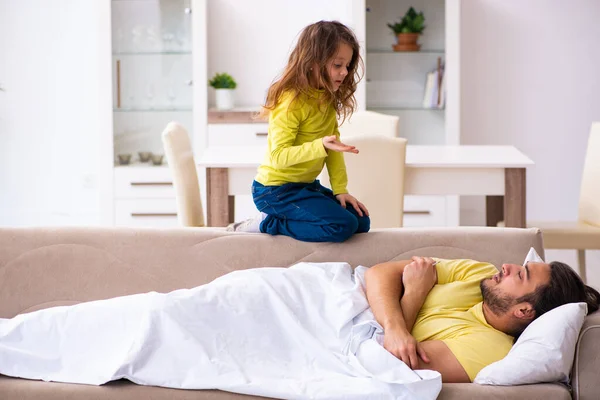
point(237, 134)
point(158, 213)
point(152, 64)
point(424, 211)
point(143, 183)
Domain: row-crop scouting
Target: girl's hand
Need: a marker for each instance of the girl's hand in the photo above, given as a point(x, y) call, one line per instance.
point(332, 143)
point(348, 198)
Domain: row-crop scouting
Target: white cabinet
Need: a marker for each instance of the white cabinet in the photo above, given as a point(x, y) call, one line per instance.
point(158, 76)
point(395, 85)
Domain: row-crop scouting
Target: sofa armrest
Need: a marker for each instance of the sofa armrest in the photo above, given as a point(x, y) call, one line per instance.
point(587, 360)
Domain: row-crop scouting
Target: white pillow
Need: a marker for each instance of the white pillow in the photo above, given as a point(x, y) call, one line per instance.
point(545, 350)
point(543, 353)
point(532, 256)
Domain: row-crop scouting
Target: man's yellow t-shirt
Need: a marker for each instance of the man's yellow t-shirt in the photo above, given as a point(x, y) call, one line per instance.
point(453, 313)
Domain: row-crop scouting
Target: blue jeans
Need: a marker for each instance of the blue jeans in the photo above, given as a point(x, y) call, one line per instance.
point(306, 211)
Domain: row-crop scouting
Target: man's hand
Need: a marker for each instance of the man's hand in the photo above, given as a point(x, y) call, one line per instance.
point(332, 143)
point(405, 347)
point(347, 198)
point(420, 275)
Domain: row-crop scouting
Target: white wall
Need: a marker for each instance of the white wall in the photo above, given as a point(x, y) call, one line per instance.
point(273, 26)
point(530, 78)
point(55, 117)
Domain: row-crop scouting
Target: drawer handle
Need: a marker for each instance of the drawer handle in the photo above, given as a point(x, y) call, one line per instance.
point(153, 214)
point(262, 133)
point(417, 212)
point(151, 183)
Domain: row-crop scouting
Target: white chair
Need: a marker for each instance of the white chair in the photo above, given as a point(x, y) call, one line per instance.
point(381, 161)
point(380, 154)
point(370, 123)
point(180, 158)
point(583, 234)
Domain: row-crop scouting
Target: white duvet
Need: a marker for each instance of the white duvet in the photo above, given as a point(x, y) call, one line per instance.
point(294, 333)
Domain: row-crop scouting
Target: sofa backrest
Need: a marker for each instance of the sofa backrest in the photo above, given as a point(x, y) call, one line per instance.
point(44, 267)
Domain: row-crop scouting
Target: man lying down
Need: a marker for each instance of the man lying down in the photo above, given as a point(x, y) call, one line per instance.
point(313, 330)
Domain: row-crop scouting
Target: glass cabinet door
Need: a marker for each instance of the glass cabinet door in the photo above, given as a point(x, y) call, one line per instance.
point(152, 75)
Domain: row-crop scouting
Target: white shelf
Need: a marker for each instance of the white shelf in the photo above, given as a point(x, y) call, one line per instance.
point(424, 52)
point(152, 53)
point(406, 108)
point(126, 110)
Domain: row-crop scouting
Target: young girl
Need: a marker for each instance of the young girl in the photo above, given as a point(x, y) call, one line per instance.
point(316, 87)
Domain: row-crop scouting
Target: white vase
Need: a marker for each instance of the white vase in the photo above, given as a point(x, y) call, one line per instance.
point(224, 99)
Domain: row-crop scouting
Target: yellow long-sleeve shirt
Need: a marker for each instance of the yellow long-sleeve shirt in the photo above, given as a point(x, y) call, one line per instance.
point(295, 150)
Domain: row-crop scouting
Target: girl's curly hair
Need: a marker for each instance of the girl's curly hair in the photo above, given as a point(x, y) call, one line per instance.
point(317, 45)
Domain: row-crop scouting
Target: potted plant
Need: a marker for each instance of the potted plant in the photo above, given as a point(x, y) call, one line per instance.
point(224, 85)
point(408, 30)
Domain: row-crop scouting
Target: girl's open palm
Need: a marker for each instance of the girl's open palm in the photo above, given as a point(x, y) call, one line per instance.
point(332, 143)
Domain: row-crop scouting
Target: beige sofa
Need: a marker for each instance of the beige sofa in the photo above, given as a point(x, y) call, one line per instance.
point(44, 267)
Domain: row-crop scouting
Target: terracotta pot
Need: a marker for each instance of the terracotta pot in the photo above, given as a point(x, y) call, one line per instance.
point(407, 42)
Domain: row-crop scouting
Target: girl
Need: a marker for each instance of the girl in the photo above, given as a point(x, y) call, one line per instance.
point(316, 87)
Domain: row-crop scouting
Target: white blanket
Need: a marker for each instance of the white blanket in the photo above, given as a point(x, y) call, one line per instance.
point(296, 333)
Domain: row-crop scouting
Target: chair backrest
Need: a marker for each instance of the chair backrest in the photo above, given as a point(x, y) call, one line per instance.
point(180, 157)
point(376, 177)
point(589, 198)
point(370, 123)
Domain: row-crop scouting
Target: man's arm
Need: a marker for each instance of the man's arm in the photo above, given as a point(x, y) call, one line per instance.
point(418, 278)
point(384, 290)
point(441, 359)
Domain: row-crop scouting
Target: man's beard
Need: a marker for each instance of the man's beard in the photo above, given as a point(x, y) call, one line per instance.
point(498, 302)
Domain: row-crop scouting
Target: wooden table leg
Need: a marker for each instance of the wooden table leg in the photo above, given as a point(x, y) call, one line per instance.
point(514, 198)
point(231, 205)
point(494, 210)
point(217, 196)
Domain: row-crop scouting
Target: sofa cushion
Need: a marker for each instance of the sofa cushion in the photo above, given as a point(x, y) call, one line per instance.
point(469, 391)
point(22, 389)
point(122, 390)
point(587, 359)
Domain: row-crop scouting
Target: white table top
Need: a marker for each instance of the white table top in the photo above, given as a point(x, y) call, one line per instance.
point(416, 157)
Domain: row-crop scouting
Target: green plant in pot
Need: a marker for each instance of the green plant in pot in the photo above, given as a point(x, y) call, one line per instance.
point(408, 30)
point(224, 85)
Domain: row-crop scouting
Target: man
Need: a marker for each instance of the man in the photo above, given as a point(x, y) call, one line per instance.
point(458, 316)
point(306, 331)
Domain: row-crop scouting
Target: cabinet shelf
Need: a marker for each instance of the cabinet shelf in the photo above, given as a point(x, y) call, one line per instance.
point(390, 51)
point(408, 108)
point(151, 53)
point(178, 109)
